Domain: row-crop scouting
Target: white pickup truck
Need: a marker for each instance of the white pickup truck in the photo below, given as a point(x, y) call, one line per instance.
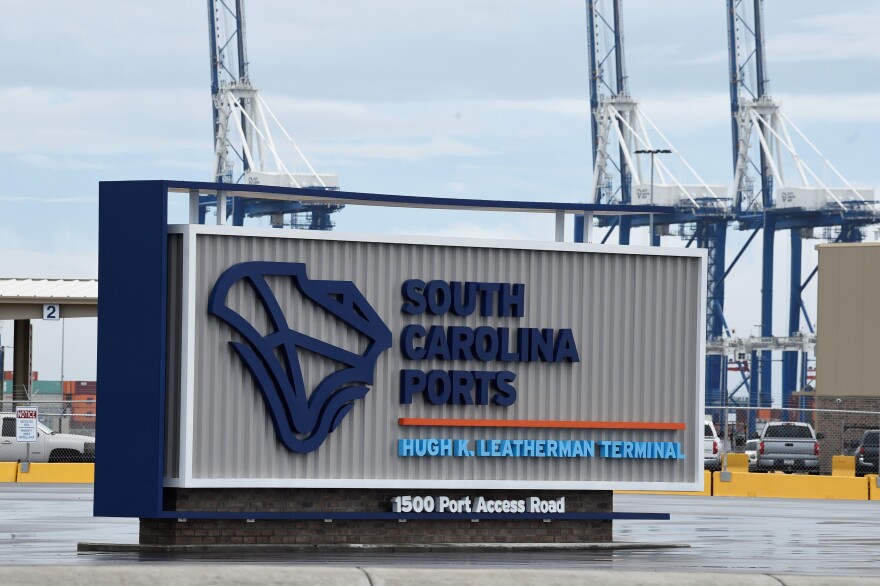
point(712, 447)
point(49, 447)
point(787, 446)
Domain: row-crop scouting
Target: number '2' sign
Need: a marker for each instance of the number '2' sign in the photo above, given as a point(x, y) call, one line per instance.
point(52, 311)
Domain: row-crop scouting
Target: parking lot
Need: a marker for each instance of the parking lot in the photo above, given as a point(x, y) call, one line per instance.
point(41, 524)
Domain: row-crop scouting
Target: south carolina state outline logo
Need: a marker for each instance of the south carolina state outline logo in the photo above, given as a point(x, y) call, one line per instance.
point(302, 419)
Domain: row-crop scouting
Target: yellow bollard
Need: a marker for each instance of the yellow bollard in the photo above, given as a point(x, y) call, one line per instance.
point(843, 466)
point(8, 471)
point(736, 462)
point(873, 487)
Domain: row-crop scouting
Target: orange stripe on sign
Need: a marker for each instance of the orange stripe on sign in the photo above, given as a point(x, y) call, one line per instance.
point(424, 422)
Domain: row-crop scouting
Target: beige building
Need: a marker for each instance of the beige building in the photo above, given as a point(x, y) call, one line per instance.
point(848, 349)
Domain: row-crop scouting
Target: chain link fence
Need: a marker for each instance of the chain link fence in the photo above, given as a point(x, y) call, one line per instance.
point(791, 440)
point(66, 431)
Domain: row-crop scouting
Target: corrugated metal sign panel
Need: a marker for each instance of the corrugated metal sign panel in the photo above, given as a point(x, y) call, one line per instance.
point(636, 320)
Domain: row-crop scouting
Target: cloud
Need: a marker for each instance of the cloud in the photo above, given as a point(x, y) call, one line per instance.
point(105, 45)
point(38, 199)
point(710, 58)
point(684, 113)
point(531, 228)
point(432, 148)
point(62, 252)
point(378, 120)
point(203, 166)
point(842, 34)
point(59, 262)
point(61, 163)
point(832, 107)
point(575, 108)
point(53, 125)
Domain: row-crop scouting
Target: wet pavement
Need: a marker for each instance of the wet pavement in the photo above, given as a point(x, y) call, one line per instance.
point(794, 536)
point(41, 524)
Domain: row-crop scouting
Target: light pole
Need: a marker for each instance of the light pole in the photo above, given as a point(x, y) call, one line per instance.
point(652, 152)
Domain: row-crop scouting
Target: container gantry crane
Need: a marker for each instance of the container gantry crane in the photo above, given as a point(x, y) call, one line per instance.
point(245, 150)
point(775, 188)
point(624, 140)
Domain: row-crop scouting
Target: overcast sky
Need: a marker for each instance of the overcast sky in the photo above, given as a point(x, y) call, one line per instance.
point(484, 99)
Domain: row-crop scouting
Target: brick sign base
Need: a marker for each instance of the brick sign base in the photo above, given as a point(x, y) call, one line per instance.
point(320, 532)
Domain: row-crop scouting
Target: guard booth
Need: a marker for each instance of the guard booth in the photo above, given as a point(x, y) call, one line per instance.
point(23, 300)
point(319, 387)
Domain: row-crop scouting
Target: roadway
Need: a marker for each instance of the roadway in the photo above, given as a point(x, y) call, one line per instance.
point(42, 524)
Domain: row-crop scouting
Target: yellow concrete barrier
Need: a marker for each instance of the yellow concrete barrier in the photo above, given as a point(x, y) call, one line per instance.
point(843, 466)
point(707, 489)
point(74, 473)
point(736, 462)
point(873, 489)
point(8, 471)
point(795, 486)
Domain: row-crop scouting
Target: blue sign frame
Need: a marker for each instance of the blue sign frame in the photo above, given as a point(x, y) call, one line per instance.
point(132, 315)
point(132, 345)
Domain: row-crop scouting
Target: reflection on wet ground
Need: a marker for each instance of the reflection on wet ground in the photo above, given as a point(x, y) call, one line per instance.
point(42, 525)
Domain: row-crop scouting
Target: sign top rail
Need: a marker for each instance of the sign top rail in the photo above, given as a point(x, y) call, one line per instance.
point(378, 199)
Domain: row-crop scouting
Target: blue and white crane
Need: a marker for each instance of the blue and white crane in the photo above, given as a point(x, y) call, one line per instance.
point(777, 187)
point(627, 149)
point(245, 131)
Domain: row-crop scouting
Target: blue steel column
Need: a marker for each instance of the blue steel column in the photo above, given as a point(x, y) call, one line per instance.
point(594, 103)
point(625, 226)
point(594, 85)
point(766, 177)
point(238, 202)
point(132, 321)
point(734, 83)
point(238, 211)
point(716, 242)
point(760, 62)
point(754, 389)
point(242, 75)
point(850, 233)
point(620, 89)
point(767, 306)
point(790, 359)
point(215, 71)
point(769, 218)
point(802, 402)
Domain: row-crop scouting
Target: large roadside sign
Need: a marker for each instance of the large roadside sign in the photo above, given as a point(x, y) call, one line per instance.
point(454, 368)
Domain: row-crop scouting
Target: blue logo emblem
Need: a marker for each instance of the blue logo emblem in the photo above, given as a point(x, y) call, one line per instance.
point(302, 420)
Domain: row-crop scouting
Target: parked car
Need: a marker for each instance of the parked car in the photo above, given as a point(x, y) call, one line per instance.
point(49, 447)
point(712, 448)
point(787, 446)
point(867, 453)
point(752, 452)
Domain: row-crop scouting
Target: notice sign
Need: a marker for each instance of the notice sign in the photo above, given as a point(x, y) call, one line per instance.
point(26, 424)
